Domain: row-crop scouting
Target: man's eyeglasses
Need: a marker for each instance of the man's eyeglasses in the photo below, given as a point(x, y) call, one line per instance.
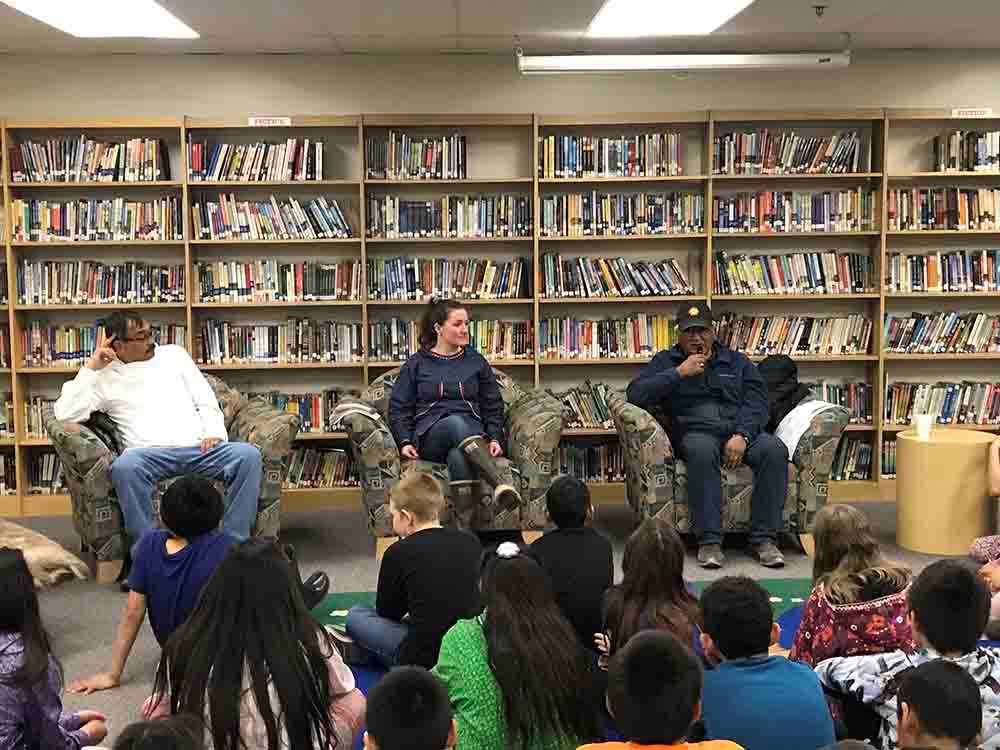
point(140, 336)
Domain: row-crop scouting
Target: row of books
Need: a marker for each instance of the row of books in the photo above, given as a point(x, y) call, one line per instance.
point(94, 220)
point(313, 409)
point(221, 342)
point(7, 415)
point(642, 155)
point(757, 335)
point(70, 346)
point(853, 458)
point(924, 209)
point(276, 280)
point(391, 217)
point(765, 152)
point(851, 210)
point(603, 462)
point(889, 457)
point(942, 333)
point(596, 214)
point(828, 272)
point(320, 467)
point(611, 277)
point(857, 398)
point(586, 405)
point(91, 282)
point(45, 473)
point(636, 336)
point(229, 219)
point(400, 156)
point(417, 278)
point(944, 271)
point(34, 410)
point(292, 160)
point(965, 402)
point(8, 477)
point(394, 340)
point(967, 151)
point(82, 159)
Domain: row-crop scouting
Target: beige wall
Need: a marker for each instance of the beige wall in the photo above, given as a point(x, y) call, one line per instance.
point(127, 85)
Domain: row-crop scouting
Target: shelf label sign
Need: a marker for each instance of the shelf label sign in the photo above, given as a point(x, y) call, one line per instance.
point(972, 112)
point(269, 122)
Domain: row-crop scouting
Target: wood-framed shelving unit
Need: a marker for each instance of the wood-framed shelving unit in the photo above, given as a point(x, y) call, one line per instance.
point(503, 157)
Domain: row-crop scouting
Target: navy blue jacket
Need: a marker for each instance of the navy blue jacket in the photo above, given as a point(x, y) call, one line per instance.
point(430, 387)
point(729, 398)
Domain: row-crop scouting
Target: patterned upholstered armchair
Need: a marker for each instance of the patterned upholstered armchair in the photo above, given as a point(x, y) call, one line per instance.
point(533, 422)
point(656, 481)
point(87, 450)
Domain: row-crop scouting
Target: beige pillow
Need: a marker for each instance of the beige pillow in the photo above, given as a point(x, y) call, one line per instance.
point(48, 562)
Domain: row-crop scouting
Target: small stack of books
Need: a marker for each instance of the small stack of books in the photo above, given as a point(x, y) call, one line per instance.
point(965, 402)
point(924, 209)
point(596, 214)
point(296, 340)
point(293, 160)
point(587, 405)
point(587, 156)
point(313, 408)
point(889, 457)
point(769, 153)
point(828, 272)
point(93, 220)
point(277, 280)
point(967, 151)
point(795, 211)
point(592, 463)
point(451, 216)
point(853, 457)
point(8, 477)
point(858, 398)
point(637, 336)
point(942, 333)
point(320, 467)
point(611, 277)
point(795, 335)
point(944, 271)
point(230, 219)
point(35, 410)
point(403, 157)
point(91, 282)
point(85, 160)
point(417, 278)
point(45, 475)
point(7, 415)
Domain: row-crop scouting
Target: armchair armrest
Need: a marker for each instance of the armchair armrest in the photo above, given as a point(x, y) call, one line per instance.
point(648, 456)
point(372, 444)
point(83, 452)
point(813, 458)
point(534, 426)
point(271, 430)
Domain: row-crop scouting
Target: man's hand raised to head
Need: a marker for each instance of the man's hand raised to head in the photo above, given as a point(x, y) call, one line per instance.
point(693, 365)
point(104, 354)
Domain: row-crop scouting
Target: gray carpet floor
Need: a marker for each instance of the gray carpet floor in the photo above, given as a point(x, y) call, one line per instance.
point(81, 617)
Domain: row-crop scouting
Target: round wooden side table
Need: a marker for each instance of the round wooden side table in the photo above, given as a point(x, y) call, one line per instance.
point(941, 490)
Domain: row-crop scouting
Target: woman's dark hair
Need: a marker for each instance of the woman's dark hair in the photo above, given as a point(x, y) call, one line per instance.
point(251, 620)
point(652, 593)
point(435, 314)
point(19, 614)
point(535, 655)
point(182, 732)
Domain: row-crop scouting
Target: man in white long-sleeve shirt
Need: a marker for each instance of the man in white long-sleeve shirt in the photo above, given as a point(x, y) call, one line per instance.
point(169, 420)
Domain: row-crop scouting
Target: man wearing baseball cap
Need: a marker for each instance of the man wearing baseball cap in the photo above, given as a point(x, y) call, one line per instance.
point(716, 402)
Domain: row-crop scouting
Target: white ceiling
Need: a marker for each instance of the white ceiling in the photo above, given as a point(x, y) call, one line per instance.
point(493, 26)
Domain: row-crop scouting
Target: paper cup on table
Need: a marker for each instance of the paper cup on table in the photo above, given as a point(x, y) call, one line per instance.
point(923, 424)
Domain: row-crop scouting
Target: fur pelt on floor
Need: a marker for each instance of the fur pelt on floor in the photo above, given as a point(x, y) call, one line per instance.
point(48, 562)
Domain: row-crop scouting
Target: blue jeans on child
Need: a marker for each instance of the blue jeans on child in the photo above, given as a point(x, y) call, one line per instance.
point(440, 444)
point(136, 471)
point(380, 636)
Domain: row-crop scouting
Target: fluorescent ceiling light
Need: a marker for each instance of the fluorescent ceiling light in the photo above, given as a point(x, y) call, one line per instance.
point(144, 19)
point(630, 18)
point(537, 64)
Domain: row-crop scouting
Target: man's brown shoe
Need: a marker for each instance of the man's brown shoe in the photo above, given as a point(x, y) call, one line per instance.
point(768, 555)
point(710, 556)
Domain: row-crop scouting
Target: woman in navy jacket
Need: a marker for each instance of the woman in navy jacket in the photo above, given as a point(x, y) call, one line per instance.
point(446, 406)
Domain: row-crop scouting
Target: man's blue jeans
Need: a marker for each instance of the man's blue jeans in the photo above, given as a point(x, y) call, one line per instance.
point(380, 636)
point(136, 471)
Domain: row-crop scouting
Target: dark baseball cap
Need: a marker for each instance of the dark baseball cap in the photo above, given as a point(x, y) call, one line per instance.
point(694, 315)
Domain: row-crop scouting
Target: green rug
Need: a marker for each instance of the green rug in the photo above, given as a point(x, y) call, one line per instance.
point(785, 594)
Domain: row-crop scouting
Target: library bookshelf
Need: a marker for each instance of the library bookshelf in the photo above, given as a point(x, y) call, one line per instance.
point(502, 158)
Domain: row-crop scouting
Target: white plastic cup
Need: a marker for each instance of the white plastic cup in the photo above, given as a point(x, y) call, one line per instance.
point(923, 424)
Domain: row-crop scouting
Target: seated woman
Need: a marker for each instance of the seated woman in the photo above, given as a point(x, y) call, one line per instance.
point(858, 602)
point(446, 406)
point(254, 663)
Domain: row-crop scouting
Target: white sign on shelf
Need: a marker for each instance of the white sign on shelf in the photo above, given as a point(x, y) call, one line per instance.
point(269, 122)
point(972, 112)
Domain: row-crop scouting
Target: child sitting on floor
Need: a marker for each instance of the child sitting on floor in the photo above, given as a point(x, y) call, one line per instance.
point(409, 710)
point(578, 559)
point(429, 577)
point(169, 571)
point(743, 695)
point(858, 602)
point(654, 695)
point(949, 606)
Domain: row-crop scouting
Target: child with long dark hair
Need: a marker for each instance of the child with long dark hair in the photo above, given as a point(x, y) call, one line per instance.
point(516, 674)
point(31, 714)
point(256, 665)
